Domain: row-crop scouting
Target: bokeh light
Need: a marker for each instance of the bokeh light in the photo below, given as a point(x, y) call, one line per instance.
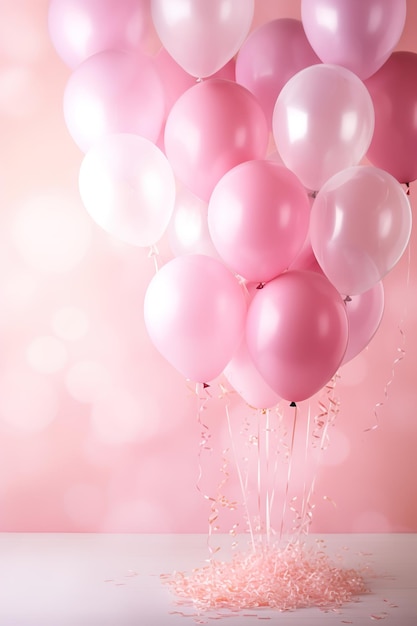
point(46, 354)
point(70, 323)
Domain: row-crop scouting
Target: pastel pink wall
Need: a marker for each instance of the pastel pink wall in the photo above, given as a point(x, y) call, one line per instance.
point(97, 431)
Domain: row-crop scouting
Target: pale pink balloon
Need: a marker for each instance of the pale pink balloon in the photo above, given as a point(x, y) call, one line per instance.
point(364, 313)
point(356, 34)
point(323, 122)
point(128, 187)
point(258, 219)
point(212, 127)
point(195, 314)
point(270, 56)
point(297, 333)
point(393, 91)
point(244, 377)
point(80, 28)
point(188, 231)
point(360, 225)
point(202, 36)
point(114, 92)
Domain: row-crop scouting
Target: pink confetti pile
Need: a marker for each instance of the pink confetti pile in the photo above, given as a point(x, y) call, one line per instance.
point(285, 579)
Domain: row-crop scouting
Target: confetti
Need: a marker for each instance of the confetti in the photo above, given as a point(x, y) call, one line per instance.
point(285, 579)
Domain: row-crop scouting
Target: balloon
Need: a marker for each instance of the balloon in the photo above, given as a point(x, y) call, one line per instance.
point(357, 34)
point(360, 225)
point(270, 56)
point(306, 259)
point(364, 313)
point(244, 377)
point(113, 92)
point(195, 315)
point(323, 122)
point(258, 217)
point(394, 94)
point(176, 80)
point(212, 127)
point(81, 28)
point(127, 186)
point(202, 36)
point(188, 231)
point(297, 332)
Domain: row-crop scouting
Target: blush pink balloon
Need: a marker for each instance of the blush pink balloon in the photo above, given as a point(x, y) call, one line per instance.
point(188, 231)
point(258, 217)
point(81, 28)
point(356, 34)
point(270, 56)
point(114, 92)
point(323, 122)
point(212, 127)
point(244, 377)
point(394, 95)
point(202, 36)
point(128, 187)
point(364, 313)
point(360, 225)
point(297, 332)
point(195, 314)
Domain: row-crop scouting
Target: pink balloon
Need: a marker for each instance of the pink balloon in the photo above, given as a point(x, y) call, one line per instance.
point(357, 34)
point(202, 36)
point(195, 313)
point(114, 92)
point(188, 231)
point(244, 377)
point(258, 218)
point(128, 187)
point(360, 225)
point(323, 122)
point(81, 28)
point(364, 313)
point(394, 94)
point(270, 56)
point(297, 332)
point(212, 127)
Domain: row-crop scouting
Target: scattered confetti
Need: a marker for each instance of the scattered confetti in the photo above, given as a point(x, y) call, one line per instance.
point(285, 579)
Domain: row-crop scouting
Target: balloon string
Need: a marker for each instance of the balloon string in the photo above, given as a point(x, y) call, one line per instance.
point(267, 497)
point(153, 254)
point(258, 474)
point(287, 486)
point(243, 487)
point(306, 452)
point(400, 349)
point(203, 396)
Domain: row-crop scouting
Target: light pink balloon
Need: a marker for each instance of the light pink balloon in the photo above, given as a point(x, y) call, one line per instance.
point(244, 377)
point(202, 36)
point(188, 231)
point(270, 56)
point(323, 122)
point(297, 332)
point(360, 225)
point(195, 314)
point(81, 28)
point(394, 94)
point(212, 127)
point(114, 92)
point(364, 313)
point(357, 34)
point(258, 219)
point(128, 187)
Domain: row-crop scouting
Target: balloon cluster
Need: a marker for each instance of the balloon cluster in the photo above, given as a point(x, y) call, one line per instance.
point(278, 258)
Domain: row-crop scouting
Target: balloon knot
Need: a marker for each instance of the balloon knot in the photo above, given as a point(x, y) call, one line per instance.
point(260, 286)
point(293, 404)
point(205, 385)
point(314, 194)
point(347, 299)
point(407, 189)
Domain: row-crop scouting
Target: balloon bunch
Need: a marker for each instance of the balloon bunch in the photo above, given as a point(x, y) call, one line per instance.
point(278, 262)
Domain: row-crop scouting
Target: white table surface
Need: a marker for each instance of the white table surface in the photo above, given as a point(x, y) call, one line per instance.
point(114, 580)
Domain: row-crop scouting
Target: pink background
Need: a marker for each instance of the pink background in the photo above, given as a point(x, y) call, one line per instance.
point(97, 432)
